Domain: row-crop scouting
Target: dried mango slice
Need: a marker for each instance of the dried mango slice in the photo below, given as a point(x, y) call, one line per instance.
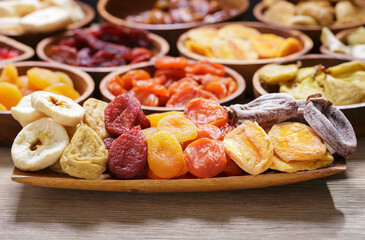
point(198, 48)
point(266, 45)
point(165, 155)
point(178, 125)
point(231, 31)
point(295, 166)
point(293, 141)
point(94, 116)
point(249, 147)
point(290, 45)
point(275, 73)
point(86, 156)
point(156, 117)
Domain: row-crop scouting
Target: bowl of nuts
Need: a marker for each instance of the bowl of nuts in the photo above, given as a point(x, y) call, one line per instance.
point(337, 79)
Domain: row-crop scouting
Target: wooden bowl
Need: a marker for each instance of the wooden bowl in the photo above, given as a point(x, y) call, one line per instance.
point(83, 83)
point(32, 39)
point(116, 11)
point(248, 67)
point(354, 112)
point(314, 32)
point(26, 52)
point(159, 48)
point(342, 37)
point(149, 67)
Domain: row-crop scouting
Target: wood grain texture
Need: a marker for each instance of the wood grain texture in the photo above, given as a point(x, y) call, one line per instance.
point(327, 208)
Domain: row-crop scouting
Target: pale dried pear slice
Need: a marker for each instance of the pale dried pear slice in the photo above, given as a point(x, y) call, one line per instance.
point(203, 36)
point(24, 113)
point(94, 116)
point(275, 73)
point(295, 141)
point(86, 156)
point(61, 109)
point(39, 145)
point(231, 31)
point(295, 166)
point(249, 147)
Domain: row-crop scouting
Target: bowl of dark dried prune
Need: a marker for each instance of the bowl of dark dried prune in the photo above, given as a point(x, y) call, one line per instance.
point(170, 19)
point(103, 48)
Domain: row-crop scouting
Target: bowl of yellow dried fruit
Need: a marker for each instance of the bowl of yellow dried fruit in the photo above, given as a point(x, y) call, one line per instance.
point(18, 80)
point(337, 79)
point(310, 16)
point(243, 46)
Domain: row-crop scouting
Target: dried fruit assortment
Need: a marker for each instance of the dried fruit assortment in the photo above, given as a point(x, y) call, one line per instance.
point(179, 144)
point(108, 45)
point(342, 84)
point(14, 87)
point(313, 13)
point(175, 82)
point(352, 45)
point(236, 41)
point(183, 11)
point(38, 16)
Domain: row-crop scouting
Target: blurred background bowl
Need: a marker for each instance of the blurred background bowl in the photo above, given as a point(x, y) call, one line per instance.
point(115, 11)
point(159, 47)
point(32, 39)
point(150, 67)
point(248, 67)
point(83, 83)
point(354, 112)
point(26, 52)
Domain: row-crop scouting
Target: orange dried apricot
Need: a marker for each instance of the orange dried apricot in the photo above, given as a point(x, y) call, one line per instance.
point(168, 62)
point(205, 111)
point(178, 125)
point(145, 98)
point(231, 169)
point(293, 141)
point(9, 95)
point(289, 46)
point(149, 132)
point(165, 156)
point(156, 117)
point(64, 78)
point(2, 107)
point(134, 75)
point(182, 97)
point(266, 45)
point(205, 158)
point(115, 87)
point(181, 84)
point(41, 78)
point(205, 67)
point(249, 147)
point(65, 90)
point(9, 74)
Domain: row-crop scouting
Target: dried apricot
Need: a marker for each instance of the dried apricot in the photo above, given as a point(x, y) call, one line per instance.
point(41, 78)
point(168, 62)
point(128, 154)
point(145, 98)
point(205, 158)
point(115, 87)
point(63, 89)
point(165, 156)
point(9, 95)
point(226, 129)
point(9, 74)
point(289, 46)
point(295, 166)
point(209, 131)
point(170, 74)
point(64, 78)
point(134, 75)
point(156, 117)
point(181, 98)
point(231, 169)
point(149, 132)
point(205, 111)
point(2, 107)
point(181, 84)
point(295, 141)
point(205, 67)
point(249, 147)
point(123, 113)
point(266, 45)
point(178, 125)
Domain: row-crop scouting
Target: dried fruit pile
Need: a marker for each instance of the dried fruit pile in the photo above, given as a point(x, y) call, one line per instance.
point(343, 84)
point(175, 82)
point(107, 46)
point(14, 87)
point(183, 11)
point(313, 13)
point(236, 41)
point(206, 140)
point(6, 53)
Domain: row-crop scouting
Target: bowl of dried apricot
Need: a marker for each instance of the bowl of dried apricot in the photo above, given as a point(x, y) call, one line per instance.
point(339, 80)
point(310, 16)
point(169, 83)
point(243, 46)
point(170, 19)
point(103, 48)
point(31, 21)
point(20, 79)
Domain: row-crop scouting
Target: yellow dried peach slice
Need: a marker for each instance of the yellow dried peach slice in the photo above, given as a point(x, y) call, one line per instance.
point(295, 141)
point(178, 125)
point(249, 147)
point(9, 95)
point(165, 155)
point(156, 117)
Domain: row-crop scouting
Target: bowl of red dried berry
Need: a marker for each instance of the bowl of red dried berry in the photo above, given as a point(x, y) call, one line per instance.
point(13, 51)
point(169, 83)
point(102, 48)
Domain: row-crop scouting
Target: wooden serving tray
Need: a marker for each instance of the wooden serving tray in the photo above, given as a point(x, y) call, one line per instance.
point(48, 178)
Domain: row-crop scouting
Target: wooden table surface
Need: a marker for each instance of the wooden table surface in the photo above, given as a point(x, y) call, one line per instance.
point(329, 208)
